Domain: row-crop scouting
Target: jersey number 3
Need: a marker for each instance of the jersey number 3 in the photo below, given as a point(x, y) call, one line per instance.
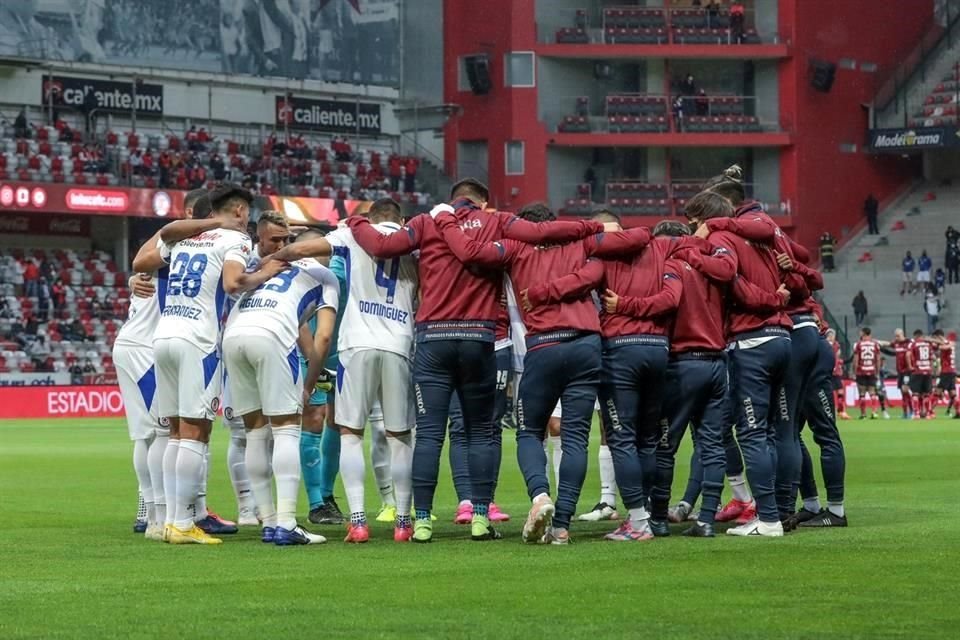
point(186, 275)
point(388, 280)
point(282, 281)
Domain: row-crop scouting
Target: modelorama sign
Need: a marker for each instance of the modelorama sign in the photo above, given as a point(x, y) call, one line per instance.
point(103, 95)
point(915, 139)
point(361, 118)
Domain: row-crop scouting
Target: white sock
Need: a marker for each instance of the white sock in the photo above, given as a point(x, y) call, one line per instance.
point(286, 470)
point(258, 469)
point(200, 506)
point(401, 463)
point(170, 455)
point(141, 450)
point(557, 456)
point(638, 517)
point(812, 504)
point(141, 507)
point(836, 508)
point(380, 455)
point(352, 471)
point(237, 467)
point(155, 465)
point(608, 479)
point(189, 474)
point(738, 485)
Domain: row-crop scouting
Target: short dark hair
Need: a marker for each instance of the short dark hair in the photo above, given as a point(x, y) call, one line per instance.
point(272, 217)
point(470, 188)
point(228, 195)
point(602, 214)
point(385, 209)
point(708, 204)
point(190, 200)
point(536, 212)
point(918, 333)
point(312, 232)
point(202, 208)
point(729, 184)
point(671, 228)
point(939, 333)
point(866, 331)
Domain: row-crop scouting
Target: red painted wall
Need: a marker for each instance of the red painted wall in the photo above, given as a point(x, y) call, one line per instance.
point(827, 187)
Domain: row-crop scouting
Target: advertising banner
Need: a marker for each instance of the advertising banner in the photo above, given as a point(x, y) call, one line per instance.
point(18, 379)
point(60, 402)
point(351, 118)
point(913, 139)
point(86, 94)
point(42, 224)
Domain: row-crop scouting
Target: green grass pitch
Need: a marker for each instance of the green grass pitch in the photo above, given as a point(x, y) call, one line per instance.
point(71, 568)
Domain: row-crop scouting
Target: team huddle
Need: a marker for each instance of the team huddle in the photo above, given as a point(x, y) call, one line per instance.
point(461, 321)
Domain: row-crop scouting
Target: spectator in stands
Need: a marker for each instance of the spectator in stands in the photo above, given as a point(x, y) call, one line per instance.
point(590, 178)
point(5, 311)
point(688, 87)
point(59, 294)
point(859, 308)
point(940, 280)
point(908, 267)
point(203, 138)
point(76, 374)
point(827, 245)
point(66, 133)
point(410, 175)
point(146, 164)
point(43, 299)
point(953, 264)
point(713, 14)
point(931, 305)
point(21, 128)
point(75, 331)
point(38, 351)
point(395, 171)
point(192, 137)
point(871, 207)
point(702, 103)
point(952, 236)
point(678, 112)
point(32, 326)
point(924, 264)
point(737, 20)
point(166, 162)
point(31, 278)
point(135, 161)
point(218, 167)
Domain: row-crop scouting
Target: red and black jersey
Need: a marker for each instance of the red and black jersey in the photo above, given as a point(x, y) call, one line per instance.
point(901, 348)
point(837, 360)
point(923, 353)
point(947, 362)
point(867, 352)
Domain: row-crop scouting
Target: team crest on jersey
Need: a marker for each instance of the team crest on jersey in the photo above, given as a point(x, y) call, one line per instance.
point(215, 404)
point(165, 422)
point(227, 413)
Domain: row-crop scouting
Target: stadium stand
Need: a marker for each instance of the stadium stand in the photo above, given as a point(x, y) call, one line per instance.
point(940, 107)
point(644, 113)
point(628, 25)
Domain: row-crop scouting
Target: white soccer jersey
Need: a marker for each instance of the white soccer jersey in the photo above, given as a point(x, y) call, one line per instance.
point(286, 301)
point(193, 300)
point(142, 320)
point(518, 331)
point(381, 296)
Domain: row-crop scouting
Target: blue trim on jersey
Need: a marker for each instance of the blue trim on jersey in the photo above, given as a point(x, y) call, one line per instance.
point(162, 276)
point(221, 297)
point(314, 296)
point(293, 359)
point(210, 364)
point(148, 386)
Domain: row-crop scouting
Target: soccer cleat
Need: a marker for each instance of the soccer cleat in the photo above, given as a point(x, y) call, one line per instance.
point(931, 416)
point(660, 528)
point(387, 513)
point(267, 534)
point(538, 519)
point(758, 528)
point(874, 416)
point(555, 535)
point(154, 532)
point(423, 530)
point(193, 535)
point(357, 533)
point(802, 516)
point(248, 518)
point(139, 526)
point(700, 530)
point(886, 415)
point(402, 534)
point(626, 533)
point(481, 530)
point(296, 536)
point(748, 514)
point(214, 524)
point(788, 523)
point(600, 511)
point(862, 417)
point(844, 415)
point(679, 512)
point(495, 514)
point(165, 534)
point(732, 510)
point(464, 513)
point(826, 518)
point(326, 513)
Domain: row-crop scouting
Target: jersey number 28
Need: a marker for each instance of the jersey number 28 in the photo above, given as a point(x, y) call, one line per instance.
point(186, 275)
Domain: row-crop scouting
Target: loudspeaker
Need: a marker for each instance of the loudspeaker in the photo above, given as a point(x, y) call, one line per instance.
point(822, 75)
point(478, 74)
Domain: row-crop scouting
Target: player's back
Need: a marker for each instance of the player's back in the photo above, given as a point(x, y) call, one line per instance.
point(382, 296)
point(947, 361)
point(923, 353)
point(194, 299)
point(281, 304)
point(868, 357)
point(638, 276)
point(900, 349)
point(141, 324)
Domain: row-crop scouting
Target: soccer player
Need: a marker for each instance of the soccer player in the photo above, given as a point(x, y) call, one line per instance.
point(901, 346)
point(838, 388)
point(374, 350)
point(455, 334)
point(562, 361)
point(920, 361)
point(760, 356)
point(866, 364)
point(948, 371)
point(260, 347)
point(203, 270)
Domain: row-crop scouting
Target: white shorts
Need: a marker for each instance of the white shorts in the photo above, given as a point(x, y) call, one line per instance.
point(923, 276)
point(231, 419)
point(264, 374)
point(188, 380)
point(908, 276)
point(367, 375)
point(558, 413)
point(138, 386)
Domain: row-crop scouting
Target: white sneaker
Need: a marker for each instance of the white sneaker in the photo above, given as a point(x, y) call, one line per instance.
point(679, 512)
point(757, 527)
point(886, 415)
point(539, 518)
point(602, 511)
point(248, 518)
point(154, 532)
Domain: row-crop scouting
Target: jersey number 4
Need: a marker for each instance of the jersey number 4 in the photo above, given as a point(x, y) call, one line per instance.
point(186, 275)
point(388, 280)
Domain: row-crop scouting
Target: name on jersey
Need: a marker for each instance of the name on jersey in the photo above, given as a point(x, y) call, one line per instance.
point(181, 311)
point(383, 311)
point(258, 303)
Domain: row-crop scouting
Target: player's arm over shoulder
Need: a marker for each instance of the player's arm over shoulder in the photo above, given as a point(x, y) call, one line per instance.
point(237, 248)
